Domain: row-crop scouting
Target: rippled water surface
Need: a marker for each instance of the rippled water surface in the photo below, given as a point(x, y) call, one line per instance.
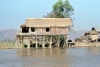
point(69, 57)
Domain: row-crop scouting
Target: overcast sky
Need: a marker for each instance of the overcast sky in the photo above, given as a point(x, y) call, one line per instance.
point(13, 13)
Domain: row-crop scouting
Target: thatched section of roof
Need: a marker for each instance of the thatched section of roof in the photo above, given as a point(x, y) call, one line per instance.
point(48, 22)
point(93, 32)
point(23, 25)
point(83, 37)
point(87, 33)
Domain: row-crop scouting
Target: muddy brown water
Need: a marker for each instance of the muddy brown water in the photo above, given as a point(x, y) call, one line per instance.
point(69, 57)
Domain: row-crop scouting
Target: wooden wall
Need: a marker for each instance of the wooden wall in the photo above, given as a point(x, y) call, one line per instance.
point(53, 31)
point(94, 37)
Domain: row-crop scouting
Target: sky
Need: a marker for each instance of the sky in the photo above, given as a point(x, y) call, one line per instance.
point(13, 13)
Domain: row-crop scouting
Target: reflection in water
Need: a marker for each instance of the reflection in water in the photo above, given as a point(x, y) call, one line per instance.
point(69, 57)
point(45, 57)
point(41, 52)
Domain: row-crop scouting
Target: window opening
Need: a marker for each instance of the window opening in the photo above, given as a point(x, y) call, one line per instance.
point(25, 30)
point(33, 29)
point(47, 29)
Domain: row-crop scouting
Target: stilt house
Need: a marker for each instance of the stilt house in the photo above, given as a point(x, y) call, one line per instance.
point(95, 33)
point(42, 31)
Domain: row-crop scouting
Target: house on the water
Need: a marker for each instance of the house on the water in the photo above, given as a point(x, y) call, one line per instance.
point(91, 36)
point(44, 32)
point(96, 31)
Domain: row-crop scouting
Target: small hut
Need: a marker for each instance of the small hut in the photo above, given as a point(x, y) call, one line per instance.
point(87, 33)
point(93, 35)
point(41, 31)
point(97, 29)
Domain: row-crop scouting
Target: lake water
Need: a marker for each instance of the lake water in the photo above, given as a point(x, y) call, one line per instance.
point(69, 57)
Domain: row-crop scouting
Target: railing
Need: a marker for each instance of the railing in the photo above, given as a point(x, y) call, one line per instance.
point(19, 33)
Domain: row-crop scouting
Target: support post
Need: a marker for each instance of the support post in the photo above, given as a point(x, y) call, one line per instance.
point(43, 45)
point(58, 41)
point(50, 41)
point(67, 40)
point(64, 41)
point(16, 42)
point(28, 42)
point(21, 41)
point(36, 43)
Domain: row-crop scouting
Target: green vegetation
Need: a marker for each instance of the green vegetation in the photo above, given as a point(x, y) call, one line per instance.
point(7, 43)
point(25, 45)
point(61, 10)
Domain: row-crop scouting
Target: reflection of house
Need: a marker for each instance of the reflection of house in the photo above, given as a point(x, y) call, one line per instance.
point(41, 30)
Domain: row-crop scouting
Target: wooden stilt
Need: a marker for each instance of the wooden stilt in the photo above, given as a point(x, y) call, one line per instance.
point(58, 41)
point(21, 41)
point(28, 42)
point(64, 41)
point(16, 42)
point(36, 43)
point(67, 40)
point(50, 41)
point(43, 45)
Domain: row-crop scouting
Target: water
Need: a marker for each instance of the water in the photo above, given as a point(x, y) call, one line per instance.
point(69, 57)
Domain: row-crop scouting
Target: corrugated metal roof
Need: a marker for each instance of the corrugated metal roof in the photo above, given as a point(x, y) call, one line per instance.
point(97, 29)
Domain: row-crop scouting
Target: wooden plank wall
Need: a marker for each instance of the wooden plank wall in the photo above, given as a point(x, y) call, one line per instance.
point(54, 30)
